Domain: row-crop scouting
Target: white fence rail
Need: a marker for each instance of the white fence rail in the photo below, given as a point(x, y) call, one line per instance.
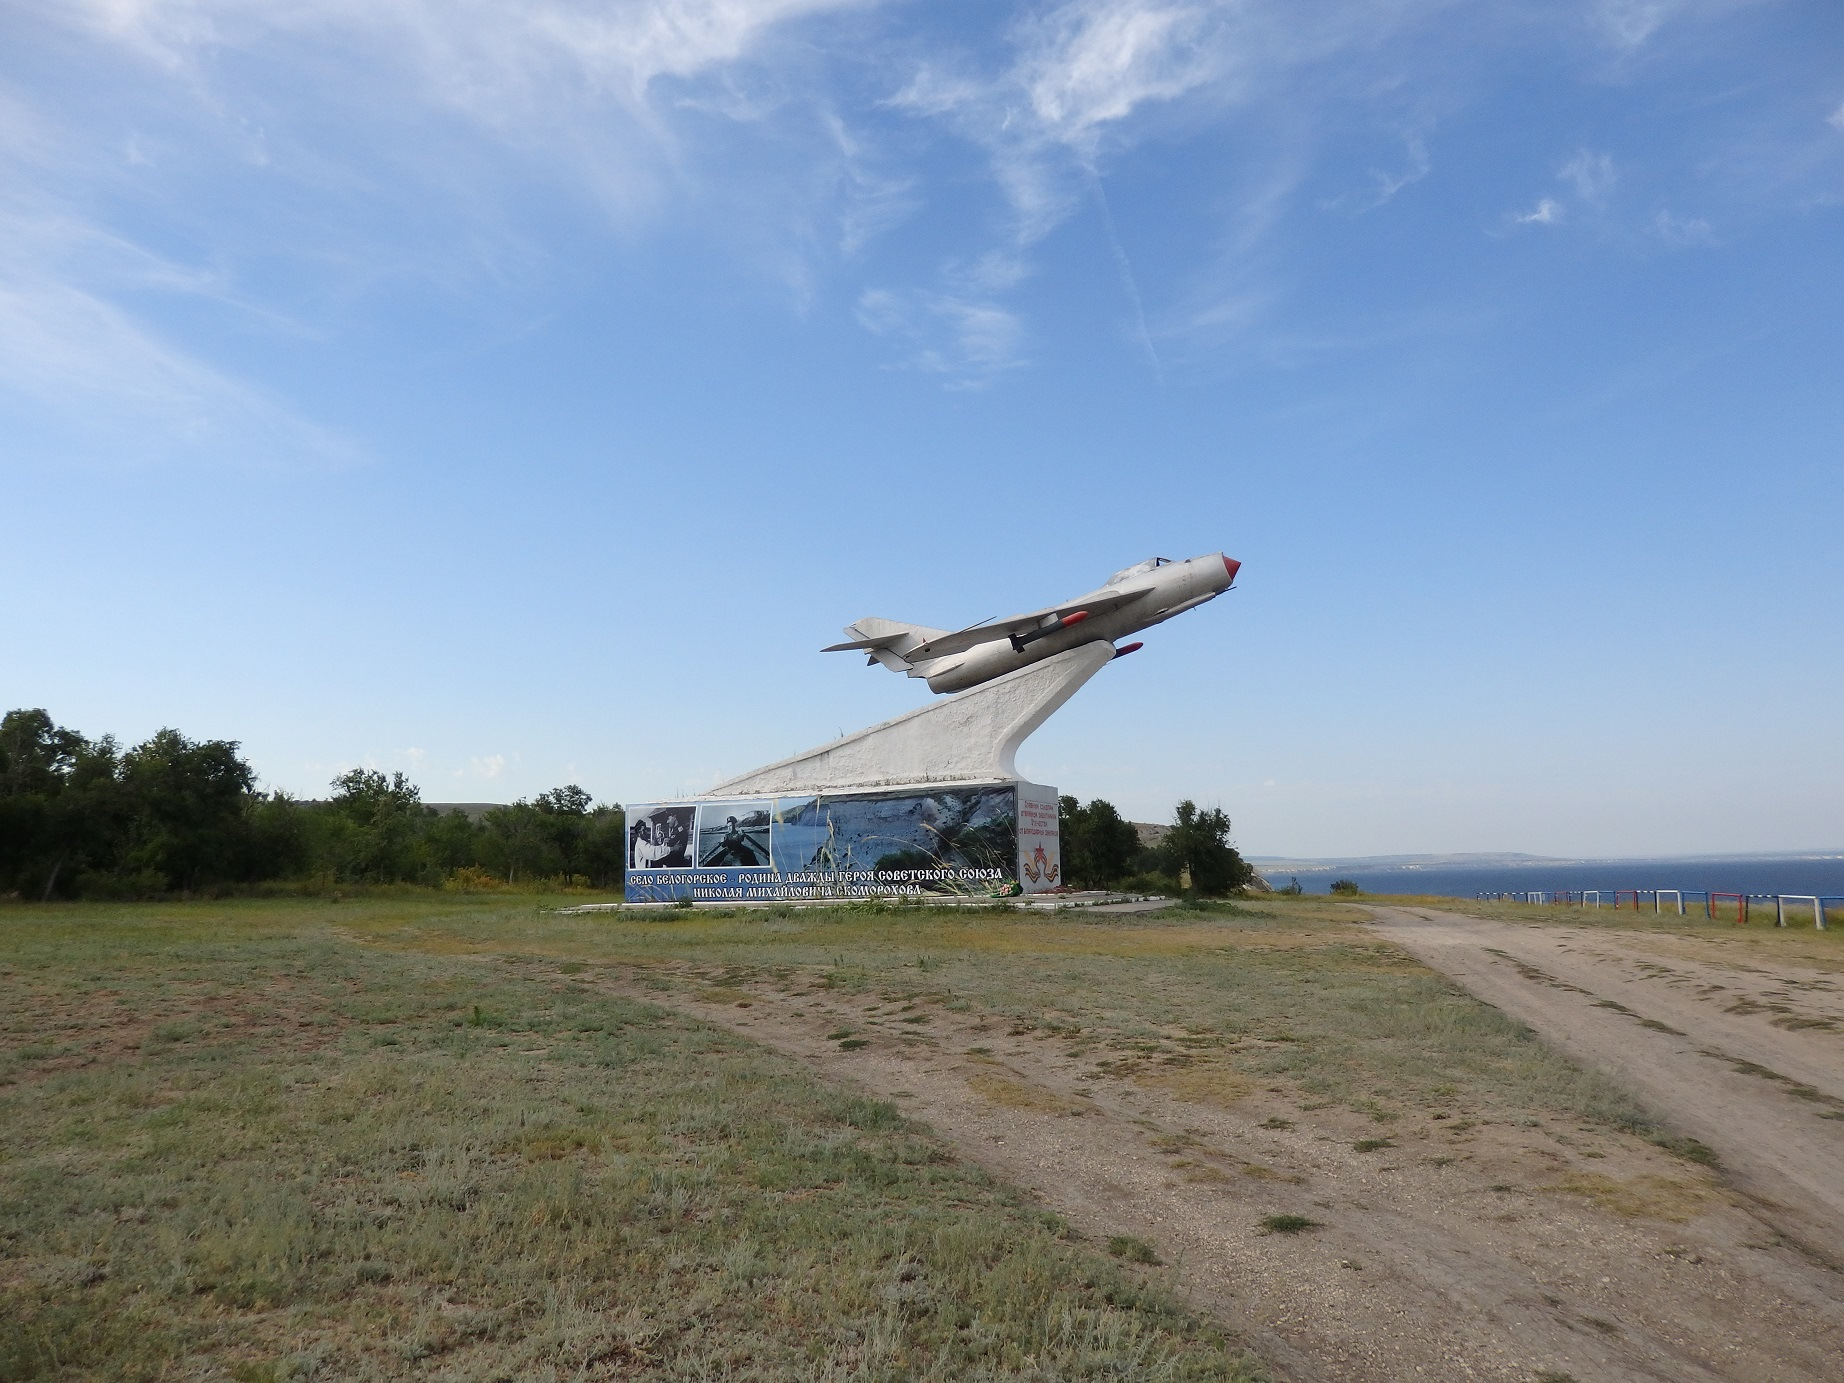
point(1818, 908)
point(1592, 898)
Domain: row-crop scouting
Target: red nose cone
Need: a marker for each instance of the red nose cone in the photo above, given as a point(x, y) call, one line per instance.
point(1232, 566)
point(1130, 648)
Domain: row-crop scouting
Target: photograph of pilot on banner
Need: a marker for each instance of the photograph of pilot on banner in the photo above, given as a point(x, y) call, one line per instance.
point(659, 838)
point(734, 835)
point(954, 840)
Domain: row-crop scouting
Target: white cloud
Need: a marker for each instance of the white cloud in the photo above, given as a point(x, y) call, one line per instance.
point(377, 97)
point(1629, 23)
point(1683, 231)
point(616, 101)
point(963, 339)
point(86, 378)
point(1385, 185)
point(478, 54)
point(1088, 79)
point(873, 198)
point(1076, 67)
point(1592, 175)
point(1837, 119)
point(488, 766)
point(1093, 62)
point(91, 374)
point(1547, 213)
point(92, 383)
point(1079, 71)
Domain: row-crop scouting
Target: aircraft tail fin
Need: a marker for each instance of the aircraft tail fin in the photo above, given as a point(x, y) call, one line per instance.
point(887, 640)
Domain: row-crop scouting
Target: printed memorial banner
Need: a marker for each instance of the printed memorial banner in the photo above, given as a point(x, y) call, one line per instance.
point(961, 841)
point(1040, 855)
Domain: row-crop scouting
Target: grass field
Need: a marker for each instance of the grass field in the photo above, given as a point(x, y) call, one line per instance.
point(415, 1135)
point(1286, 994)
point(247, 1141)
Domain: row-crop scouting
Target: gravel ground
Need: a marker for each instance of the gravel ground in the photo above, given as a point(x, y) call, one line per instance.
point(1504, 1250)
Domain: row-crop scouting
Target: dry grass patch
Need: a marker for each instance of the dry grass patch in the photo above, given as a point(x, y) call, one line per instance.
point(1080, 939)
point(724, 994)
point(1017, 1094)
point(1212, 1085)
point(1648, 1197)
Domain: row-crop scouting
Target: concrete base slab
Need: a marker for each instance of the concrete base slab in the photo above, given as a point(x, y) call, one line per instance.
point(1098, 900)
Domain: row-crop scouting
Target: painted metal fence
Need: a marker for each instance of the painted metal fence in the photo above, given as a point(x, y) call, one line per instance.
point(1713, 903)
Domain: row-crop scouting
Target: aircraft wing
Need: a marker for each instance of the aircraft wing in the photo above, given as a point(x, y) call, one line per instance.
point(1098, 603)
point(875, 633)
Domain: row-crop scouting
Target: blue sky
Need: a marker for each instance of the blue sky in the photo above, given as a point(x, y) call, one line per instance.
point(523, 393)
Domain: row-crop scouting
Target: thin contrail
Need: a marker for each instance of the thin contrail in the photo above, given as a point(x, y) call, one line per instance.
point(1126, 273)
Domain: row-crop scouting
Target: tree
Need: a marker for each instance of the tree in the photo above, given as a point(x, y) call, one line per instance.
point(187, 800)
point(564, 801)
point(451, 841)
point(1099, 846)
point(605, 847)
point(35, 755)
point(1198, 843)
point(37, 760)
point(80, 816)
point(517, 837)
point(384, 817)
point(275, 842)
point(564, 821)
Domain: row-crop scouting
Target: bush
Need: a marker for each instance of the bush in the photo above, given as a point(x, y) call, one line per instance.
point(1198, 846)
point(1099, 846)
point(471, 878)
point(1345, 886)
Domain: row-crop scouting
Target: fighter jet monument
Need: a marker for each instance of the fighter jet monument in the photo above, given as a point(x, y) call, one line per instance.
point(929, 803)
point(1143, 595)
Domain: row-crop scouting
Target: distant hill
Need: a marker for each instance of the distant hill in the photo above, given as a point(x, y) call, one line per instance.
point(1409, 863)
point(1287, 864)
point(473, 811)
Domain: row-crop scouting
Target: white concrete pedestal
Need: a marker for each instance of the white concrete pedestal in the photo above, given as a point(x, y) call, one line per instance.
point(969, 737)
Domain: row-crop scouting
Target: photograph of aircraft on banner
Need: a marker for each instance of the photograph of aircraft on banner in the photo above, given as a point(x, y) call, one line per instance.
point(1143, 595)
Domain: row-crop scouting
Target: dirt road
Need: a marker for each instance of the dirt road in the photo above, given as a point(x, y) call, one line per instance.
point(1741, 1052)
point(1496, 1251)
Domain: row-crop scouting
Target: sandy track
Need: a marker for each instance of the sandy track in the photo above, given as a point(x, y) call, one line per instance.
point(1742, 1053)
point(1458, 1253)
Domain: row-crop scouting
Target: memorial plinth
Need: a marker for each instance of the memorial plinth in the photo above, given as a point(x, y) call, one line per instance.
point(927, 803)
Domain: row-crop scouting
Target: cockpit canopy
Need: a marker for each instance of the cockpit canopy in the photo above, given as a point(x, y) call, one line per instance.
point(1139, 569)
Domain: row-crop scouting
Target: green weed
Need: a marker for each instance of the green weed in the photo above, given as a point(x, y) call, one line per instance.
point(1287, 1224)
point(1131, 1249)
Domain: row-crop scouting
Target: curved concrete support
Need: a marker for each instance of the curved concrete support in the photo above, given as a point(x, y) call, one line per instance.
point(971, 737)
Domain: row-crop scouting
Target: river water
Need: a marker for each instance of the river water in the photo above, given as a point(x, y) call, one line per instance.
point(1754, 874)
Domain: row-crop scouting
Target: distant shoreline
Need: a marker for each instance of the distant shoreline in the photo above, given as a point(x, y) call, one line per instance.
point(1818, 873)
point(1512, 861)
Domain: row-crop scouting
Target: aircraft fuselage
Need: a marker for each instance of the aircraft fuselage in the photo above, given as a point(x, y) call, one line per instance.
point(1137, 598)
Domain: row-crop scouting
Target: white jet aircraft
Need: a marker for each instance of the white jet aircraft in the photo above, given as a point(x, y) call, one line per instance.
point(1135, 599)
